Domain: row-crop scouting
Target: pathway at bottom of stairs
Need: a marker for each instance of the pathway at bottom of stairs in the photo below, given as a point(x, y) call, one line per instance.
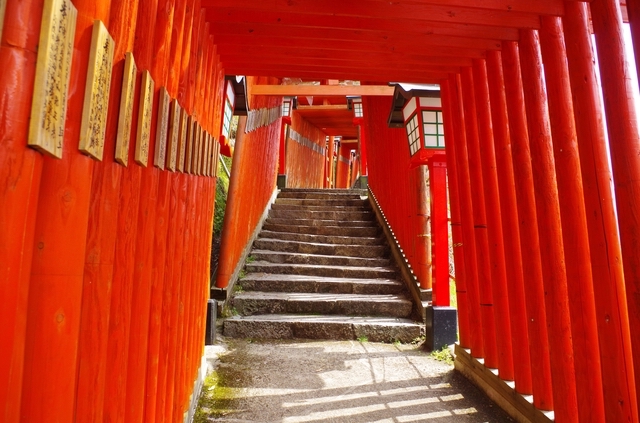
point(293, 381)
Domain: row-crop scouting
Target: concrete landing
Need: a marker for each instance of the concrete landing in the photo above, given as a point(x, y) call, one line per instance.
point(338, 381)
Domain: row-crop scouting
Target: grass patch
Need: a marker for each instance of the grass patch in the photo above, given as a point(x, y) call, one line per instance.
point(443, 355)
point(362, 339)
point(222, 188)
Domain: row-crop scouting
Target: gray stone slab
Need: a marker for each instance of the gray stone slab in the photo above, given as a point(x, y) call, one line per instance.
point(302, 283)
point(338, 216)
point(307, 269)
point(369, 251)
point(322, 222)
point(326, 260)
point(322, 230)
point(323, 239)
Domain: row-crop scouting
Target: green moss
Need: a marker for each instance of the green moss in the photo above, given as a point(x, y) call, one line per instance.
point(443, 355)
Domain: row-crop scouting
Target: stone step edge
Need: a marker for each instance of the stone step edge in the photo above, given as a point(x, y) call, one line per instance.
point(314, 296)
point(266, 277)
point(321, 244)
point(290, 326)
point(388, 269)
point(288, 253)
point(262, 235)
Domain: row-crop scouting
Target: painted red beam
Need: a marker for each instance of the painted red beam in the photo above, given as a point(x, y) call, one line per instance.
point(217, 14)
point(464, 325)
point(293, 64)
point(61, 225)
point(529, 247)
point(550, 230)
point(624, 145)
point(493, 217)
point(226, 32)
point(510, 229)
point(604, 243)
point(331, 56)
point(372, 9)
point(361, 75)
point(20, 170)
point(277, 45)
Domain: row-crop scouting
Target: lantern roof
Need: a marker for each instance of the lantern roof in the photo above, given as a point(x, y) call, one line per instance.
point(403, 92)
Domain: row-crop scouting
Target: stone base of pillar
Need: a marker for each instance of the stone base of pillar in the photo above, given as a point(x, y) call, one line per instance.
point(364, 182)
point(282, 181)
point(441, 327)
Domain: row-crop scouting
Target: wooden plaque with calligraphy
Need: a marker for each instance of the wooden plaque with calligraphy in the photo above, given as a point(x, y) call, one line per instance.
point(216, 157)
point(160, 156)
point(209, 147)
point(144, 119)
point(3, 7)
point(125, 117)
point(53, 68)
point(205, 149)
point(96, 94)
point(196, 150)
point(174, 133)
point(191, 132)
point(182, 140)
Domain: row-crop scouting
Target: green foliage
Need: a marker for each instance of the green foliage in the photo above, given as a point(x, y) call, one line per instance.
point(363, 339)
point(443, 355)
point(222, 188)
point(206, 402)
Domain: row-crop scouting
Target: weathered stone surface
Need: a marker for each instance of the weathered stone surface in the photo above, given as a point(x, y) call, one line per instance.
point(322, 239)
point(322, 222)
point(371, 251)
point(325, 260)
point(322, 230)
point(309, 269)
point(302, 283)
point(322, 327)
point(338, 216)
point(321, 269)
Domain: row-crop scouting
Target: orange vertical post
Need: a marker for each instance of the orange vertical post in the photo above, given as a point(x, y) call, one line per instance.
point(55, 292)
point(479, 222)
point(422, 230)
point(102, 234)
point(456, 225)
point(511, 231)
point(439, 231)
point(548, 210)
point(493, 217)
point(529, 247)
point(575, 237)
point(604, 243)
point(468, 246)
point(128, 218)
point(20, 170)
point(624, 144)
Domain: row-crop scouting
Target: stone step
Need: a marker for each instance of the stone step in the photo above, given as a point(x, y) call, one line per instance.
point(338, 191)
point(375, 329)
point(318, 284)
point(366, 251)
point(322, 222)
point(320, 202)
point(318, 270)
point(345, 231)
point(319, 195)
point(316, 259)
point(255, 302)
point(322, 239)
point(338, 216)
point(278, 206)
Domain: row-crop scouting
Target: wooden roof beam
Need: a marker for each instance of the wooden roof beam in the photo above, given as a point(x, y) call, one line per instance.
point(217, 15)
point(323, 91)
point(396, 9)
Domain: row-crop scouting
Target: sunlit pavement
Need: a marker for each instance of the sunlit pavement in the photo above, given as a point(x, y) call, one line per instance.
point(341, 381)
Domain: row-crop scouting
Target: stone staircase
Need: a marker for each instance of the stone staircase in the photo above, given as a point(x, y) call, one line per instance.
point(320, 269)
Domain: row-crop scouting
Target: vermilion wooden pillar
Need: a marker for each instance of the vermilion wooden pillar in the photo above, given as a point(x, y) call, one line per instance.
point(624, 144)
point(422, 230)
point(329, 170)
point(55, 293)
point(282, 153)
point(456, 225)
point(439, 231)
point(362, 145)
point(529, 247)
point(128, 207)
point(102, 234)
point(468, 247)
point(485, 284)
point(551, 245)
point(493, 218)
point(20, 169)
point(511, 231)
point(604, 242)
point(574, 223)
